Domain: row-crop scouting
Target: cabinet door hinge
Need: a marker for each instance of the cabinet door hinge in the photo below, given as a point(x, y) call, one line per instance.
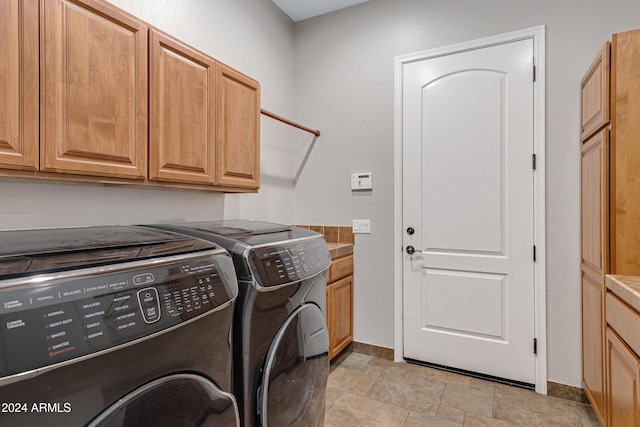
point(535, 346)
point(534, 253)
point(533, 161)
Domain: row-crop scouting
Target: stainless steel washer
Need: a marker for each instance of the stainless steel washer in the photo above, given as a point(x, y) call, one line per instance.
point(115, 326)
point(281, 344)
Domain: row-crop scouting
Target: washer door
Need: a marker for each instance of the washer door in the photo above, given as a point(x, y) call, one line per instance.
point(296, 372)
point(181, 400)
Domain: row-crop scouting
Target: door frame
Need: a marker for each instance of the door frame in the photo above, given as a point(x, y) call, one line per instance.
point(537, 34)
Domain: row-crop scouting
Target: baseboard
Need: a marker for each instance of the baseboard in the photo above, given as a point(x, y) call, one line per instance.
point(567, 392)
point(371, 350)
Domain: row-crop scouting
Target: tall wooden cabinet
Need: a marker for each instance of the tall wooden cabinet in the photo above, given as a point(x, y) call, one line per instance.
point(19, 85)
point(595, 232)
point(610, 195)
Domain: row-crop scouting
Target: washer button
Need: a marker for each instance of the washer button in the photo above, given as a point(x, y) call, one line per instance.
point(149, 304)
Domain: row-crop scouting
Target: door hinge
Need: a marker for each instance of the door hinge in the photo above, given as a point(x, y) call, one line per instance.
point(535, 346)
point(534, 68)
point(533, 161)
point(534, 253)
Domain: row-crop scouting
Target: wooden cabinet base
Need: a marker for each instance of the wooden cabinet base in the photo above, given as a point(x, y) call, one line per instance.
point(623, 393)
point(340, 315)
point(340, 304)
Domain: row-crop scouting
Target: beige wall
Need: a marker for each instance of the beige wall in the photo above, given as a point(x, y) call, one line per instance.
point(344, 68)
point(253, 36)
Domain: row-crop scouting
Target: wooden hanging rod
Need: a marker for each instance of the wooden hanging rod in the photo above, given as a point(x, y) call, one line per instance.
point(289, 122)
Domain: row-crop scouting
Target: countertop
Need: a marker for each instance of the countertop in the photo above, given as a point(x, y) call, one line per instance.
point(337, 250)
point(627, 288)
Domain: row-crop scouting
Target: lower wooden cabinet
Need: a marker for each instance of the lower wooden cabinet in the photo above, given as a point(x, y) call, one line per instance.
point(623, 385)
point(622, 358)
point(340, 305)
point(593, 343)
point(340, 315)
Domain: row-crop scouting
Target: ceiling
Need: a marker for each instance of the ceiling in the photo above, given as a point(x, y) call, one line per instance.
point(303, 9)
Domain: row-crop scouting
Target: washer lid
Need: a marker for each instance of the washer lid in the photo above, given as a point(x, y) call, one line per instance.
point(251, 233)
point(29, 252)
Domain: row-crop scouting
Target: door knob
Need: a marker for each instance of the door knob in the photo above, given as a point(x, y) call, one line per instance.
point(411, 250)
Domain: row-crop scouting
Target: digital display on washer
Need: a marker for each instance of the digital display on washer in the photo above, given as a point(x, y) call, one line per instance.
point(279, 264)
point(51, 323)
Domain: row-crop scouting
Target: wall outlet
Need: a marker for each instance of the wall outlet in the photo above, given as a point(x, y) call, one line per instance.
point(361, 226)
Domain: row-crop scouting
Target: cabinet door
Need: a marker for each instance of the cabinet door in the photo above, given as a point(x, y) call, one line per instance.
point(625, 154)
point(593, 343)
point(182, 112)
point(95, 90)
point(594, 167)
point(594, 93)
point(238, 122)
point(623, 372)
point(340, 315)
point(19, 84)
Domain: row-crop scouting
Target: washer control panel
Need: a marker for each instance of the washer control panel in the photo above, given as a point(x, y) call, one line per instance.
point(290, 262)
point(48, 323)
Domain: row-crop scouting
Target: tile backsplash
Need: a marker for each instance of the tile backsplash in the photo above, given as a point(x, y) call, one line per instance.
point(333, 234)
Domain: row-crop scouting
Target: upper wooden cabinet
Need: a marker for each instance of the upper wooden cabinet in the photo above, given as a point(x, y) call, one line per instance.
point(238, 122)
point(182, 112)
point(94, 90)
point(89, 92)
point(19, 84)
point(595, 94)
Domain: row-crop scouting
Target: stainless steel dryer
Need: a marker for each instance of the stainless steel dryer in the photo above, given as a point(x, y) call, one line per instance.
point(115, 326)
point(281, 344)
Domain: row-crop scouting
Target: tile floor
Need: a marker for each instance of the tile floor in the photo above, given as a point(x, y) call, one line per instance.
point(368, 391)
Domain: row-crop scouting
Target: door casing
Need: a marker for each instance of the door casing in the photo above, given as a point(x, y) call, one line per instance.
point(538, 36)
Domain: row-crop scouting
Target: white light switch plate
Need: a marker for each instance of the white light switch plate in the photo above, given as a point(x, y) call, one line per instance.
point(362, 181)
point(361, 226)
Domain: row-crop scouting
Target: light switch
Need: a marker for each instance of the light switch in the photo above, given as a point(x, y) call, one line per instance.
point(362, 181)
point(361, 226)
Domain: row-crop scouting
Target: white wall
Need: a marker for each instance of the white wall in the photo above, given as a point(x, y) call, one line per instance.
point(253, 36)
point(344, 68)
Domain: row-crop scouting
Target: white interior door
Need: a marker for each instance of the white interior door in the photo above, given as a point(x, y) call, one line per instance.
point(468, 194)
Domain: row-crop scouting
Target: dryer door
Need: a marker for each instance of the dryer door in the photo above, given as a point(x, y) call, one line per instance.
point(181, 400)
point(296, 371)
